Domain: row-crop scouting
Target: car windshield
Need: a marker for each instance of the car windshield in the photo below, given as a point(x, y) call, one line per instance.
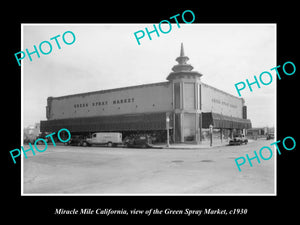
point(237, 135)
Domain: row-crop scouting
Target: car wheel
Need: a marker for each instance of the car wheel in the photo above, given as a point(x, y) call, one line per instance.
point(109, 144)
point(84, 144)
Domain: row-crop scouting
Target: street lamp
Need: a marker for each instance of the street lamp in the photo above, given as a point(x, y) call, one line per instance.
point(167, 125)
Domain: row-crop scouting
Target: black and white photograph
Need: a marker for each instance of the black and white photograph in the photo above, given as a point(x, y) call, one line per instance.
point(144, 111)
point(158, 117)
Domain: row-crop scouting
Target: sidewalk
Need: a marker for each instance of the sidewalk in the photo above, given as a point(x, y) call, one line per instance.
point(203, 145)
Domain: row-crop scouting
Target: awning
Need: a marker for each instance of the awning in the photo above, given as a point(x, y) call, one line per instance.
point(221, 121)
point(141, 121)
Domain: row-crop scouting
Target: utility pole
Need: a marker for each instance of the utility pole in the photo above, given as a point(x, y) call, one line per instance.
point(168, 126)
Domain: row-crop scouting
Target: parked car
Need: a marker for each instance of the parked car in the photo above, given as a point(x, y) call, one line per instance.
point(42, 136)
point(78, 140)
point(238, 140)
point(139, 141)
point(270, 136)
point(110, 139)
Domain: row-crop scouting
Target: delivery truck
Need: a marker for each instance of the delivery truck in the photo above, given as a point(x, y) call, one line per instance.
point(110, 139)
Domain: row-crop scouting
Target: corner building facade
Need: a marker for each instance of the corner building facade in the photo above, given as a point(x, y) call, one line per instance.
point(189, 104)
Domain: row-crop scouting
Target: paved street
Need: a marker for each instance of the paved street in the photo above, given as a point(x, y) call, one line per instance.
point(102, 170)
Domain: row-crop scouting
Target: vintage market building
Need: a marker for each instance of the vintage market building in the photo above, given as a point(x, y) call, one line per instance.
point(191, 106)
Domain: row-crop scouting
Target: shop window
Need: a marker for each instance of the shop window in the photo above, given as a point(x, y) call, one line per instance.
point(177, 128)
point(189, 127)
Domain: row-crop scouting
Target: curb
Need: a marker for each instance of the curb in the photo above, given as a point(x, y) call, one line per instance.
point(188, 148)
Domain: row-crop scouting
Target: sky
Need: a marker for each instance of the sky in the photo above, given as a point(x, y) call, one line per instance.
point(106, 56)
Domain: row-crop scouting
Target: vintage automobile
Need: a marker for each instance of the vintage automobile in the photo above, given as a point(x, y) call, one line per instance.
point(270, 136)
point(238, 140)
point(138, 141)
point(78, 140)
point(105, 138)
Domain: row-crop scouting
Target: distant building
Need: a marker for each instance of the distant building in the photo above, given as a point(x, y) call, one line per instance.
point(258, 132)
point(31, 133)
point(190, 105)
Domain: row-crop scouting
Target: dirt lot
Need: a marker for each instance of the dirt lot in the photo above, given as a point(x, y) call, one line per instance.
point(102, 170)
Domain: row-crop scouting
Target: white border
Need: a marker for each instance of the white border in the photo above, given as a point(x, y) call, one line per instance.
point(149, 194)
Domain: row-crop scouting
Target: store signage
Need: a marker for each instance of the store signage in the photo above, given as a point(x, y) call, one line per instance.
point(223, 103)
point(102, 103)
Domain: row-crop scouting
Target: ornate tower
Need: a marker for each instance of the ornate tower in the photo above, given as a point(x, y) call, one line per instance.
point(182, 68)
point(186, 100)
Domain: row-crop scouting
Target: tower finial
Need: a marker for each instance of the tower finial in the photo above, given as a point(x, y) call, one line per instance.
point(182, 68)
point(182, 59)
point(181, 50)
